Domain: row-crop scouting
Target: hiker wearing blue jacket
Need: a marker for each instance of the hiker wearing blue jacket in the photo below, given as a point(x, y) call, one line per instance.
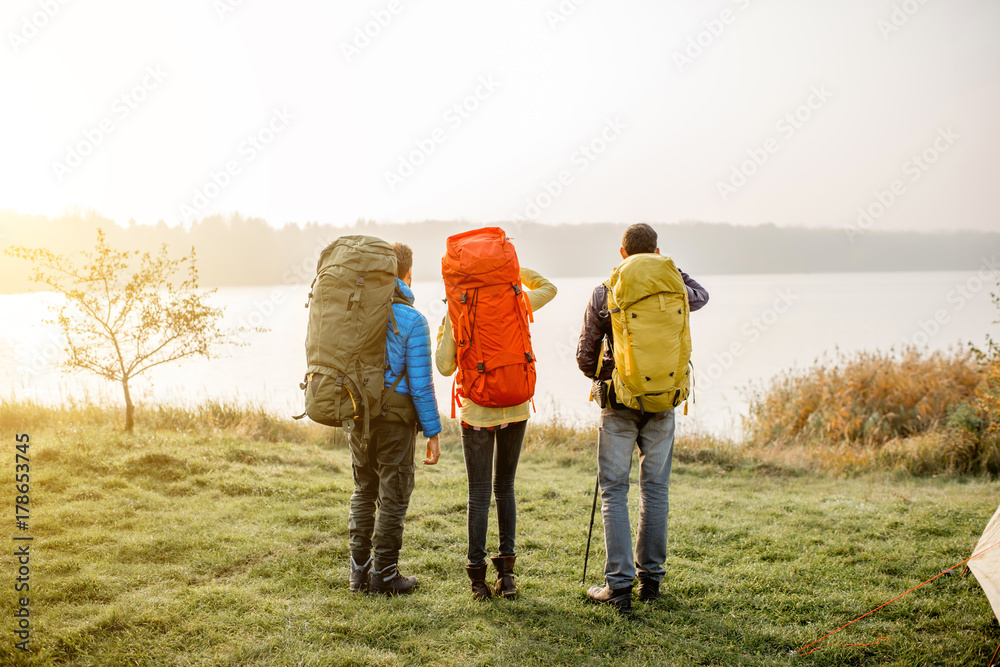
point(383, 471)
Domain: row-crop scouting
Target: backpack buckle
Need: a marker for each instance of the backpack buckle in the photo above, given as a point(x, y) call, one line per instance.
point(481, 367)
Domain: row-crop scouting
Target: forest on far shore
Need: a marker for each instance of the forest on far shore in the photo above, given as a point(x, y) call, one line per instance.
point(238, 251)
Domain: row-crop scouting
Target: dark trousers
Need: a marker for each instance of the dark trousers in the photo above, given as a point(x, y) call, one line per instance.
point(478, 447)
point(383, 481)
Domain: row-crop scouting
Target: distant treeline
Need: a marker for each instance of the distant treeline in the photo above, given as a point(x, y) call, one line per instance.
point(234, 251)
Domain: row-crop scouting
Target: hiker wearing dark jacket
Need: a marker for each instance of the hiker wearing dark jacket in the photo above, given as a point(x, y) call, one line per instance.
point(621, 429)
point(384, 470)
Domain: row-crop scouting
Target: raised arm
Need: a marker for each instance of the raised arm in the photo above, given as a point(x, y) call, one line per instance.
point(541, 291)
point(697, 295)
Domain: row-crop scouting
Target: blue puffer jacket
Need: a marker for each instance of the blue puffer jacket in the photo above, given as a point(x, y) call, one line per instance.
point(411, 349)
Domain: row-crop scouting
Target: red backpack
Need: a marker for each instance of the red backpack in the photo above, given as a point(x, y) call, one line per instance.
point(489, 315)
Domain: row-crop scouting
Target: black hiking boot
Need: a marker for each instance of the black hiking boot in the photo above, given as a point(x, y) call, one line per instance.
point(619, 598)
point(390, 582)
point(360, 576)
point(477, 575)
point(648, 589)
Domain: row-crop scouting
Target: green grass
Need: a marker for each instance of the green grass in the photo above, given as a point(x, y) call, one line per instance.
point(211, 544)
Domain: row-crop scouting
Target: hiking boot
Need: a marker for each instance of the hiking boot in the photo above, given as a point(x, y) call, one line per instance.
point(505, 588)
point(388, 581)
point(477, 575)
point(619, 598)
point(648, 589)
point(360, 576)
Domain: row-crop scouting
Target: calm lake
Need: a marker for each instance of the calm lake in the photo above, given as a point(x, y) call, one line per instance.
point(754, 327)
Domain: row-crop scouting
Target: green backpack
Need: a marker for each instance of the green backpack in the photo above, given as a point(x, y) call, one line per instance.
point(648, 303)
point(350, 303)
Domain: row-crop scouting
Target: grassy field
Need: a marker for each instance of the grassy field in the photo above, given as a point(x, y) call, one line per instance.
point(209, 543)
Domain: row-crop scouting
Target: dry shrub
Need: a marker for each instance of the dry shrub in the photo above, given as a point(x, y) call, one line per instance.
point(988, 397)
point(867, 399)
point(912, 411)
point(709, 449)
point(559, 435)
point(253, 422)
point(29, 415)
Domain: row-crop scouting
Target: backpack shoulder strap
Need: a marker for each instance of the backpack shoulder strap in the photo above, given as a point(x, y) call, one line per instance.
point(395, 384)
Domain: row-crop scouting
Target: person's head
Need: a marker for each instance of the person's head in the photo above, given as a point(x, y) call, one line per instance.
point(404, 262)
point(637, 239)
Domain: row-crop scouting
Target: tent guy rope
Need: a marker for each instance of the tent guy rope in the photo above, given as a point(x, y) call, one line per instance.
point(830, 634)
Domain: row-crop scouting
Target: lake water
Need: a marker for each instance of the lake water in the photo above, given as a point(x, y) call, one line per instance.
point(754, 327)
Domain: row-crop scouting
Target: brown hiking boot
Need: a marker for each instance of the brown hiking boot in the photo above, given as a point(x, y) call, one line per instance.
point(619, 598)
point(359, 577)
point(477, 575)
point(505, 588)
point(648, 589)
point(389, 581)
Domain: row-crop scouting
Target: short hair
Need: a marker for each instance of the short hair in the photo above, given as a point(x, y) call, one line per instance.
point(639, 238)
point(404, 259)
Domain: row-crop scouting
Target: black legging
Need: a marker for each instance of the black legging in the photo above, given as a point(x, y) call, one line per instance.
point(478, 446)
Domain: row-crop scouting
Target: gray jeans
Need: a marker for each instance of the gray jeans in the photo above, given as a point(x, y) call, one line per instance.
point(621, 429)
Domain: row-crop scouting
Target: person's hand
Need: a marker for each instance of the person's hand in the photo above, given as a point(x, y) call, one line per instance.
point(433, 450)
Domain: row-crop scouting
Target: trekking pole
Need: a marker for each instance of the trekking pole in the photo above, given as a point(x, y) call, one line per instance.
point(590, 531)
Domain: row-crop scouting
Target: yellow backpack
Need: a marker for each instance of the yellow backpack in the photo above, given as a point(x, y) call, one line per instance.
point(649, 309)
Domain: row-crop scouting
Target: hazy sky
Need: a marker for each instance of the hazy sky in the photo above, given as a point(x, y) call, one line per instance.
point(746, 111)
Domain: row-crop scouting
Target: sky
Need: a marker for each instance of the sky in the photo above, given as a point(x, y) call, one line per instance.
point(874, 114)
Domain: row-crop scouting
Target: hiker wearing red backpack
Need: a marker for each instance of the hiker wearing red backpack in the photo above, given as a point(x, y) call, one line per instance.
point(636, 346)
point(485, 338)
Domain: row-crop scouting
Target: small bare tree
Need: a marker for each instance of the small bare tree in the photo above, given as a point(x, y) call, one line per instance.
point(124, 313)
